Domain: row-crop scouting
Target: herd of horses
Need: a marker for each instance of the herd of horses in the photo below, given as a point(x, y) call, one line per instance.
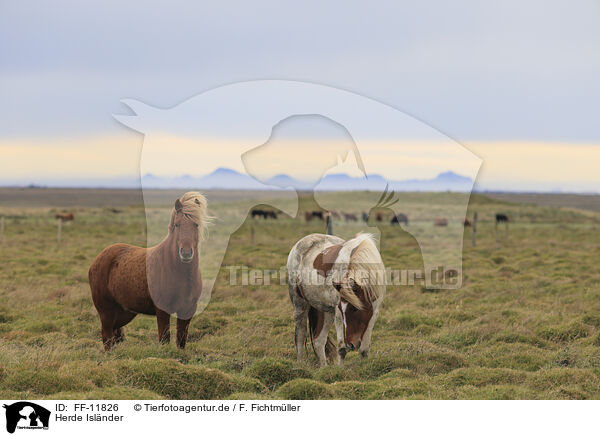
point(331, 281)
point(396, 219)
point(352, 217)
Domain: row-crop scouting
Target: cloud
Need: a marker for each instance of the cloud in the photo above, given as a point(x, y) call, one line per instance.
point(474, 70)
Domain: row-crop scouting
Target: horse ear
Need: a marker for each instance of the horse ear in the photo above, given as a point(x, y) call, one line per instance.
point(178, 205)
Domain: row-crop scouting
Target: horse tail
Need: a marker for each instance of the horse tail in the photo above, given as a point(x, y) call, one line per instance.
point(315, 322)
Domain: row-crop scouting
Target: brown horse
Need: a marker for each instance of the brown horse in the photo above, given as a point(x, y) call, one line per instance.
point(65, 216)
point(440, 222)
point(126, 280)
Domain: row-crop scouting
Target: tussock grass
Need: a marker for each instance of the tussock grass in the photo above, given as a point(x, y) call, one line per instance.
point(275, 372)
point(304, 389)
point(172, 379)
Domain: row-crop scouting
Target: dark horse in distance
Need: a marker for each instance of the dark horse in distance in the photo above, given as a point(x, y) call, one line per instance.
point(127, 280)
point(400, 218)
point(501, 218)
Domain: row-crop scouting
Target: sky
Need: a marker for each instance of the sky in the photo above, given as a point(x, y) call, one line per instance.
point(513, 82)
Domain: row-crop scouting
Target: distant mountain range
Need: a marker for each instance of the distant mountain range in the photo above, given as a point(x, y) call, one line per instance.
point(225, 178)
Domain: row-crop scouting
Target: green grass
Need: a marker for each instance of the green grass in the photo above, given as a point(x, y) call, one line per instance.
point(525, 324)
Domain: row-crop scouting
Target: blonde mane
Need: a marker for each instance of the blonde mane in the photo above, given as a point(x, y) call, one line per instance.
point(194, 207)
point(360, 261)
point(367, 270)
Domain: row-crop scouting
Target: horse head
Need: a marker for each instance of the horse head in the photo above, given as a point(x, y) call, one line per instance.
point(359, 278)
point(356, 319)
point(188, 221)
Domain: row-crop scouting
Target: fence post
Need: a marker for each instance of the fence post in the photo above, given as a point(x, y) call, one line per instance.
point(59, 231)
point(496, 231)
point(329, 225)
point(1, 229)
point(474, 229)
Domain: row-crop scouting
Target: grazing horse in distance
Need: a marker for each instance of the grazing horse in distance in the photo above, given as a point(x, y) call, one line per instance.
point(264, 214)
point(65, 216)
point(335, 214)
point(126, 280)
point(440, 222)
point(332, 280)
point(400, 218)
point(308, 216)
point(467, 222)
point(258, 213)
point(350, 217)
point(365, 217)
point(501, 218)
point(318, 214)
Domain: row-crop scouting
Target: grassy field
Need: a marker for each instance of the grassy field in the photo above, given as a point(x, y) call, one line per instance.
point(524, 325)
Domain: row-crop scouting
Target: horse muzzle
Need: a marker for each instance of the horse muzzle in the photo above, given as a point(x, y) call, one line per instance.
point(186, 257)
point(353, 347)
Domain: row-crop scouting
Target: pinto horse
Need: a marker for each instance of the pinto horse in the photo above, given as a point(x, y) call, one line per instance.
point(127, 280)
point(332, 280)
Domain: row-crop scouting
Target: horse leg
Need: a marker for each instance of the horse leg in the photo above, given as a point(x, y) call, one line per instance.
point(300, 319)
point(108, 311)
point(182, 331)
point(123, 318)
point(119, 335)
point(184, 317)
point(321, 340)
point(163, 319)
point(339, 330)
point(108, 331)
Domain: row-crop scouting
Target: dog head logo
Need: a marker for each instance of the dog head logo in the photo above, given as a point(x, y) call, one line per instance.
point(224, 135)
point(26, 415)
